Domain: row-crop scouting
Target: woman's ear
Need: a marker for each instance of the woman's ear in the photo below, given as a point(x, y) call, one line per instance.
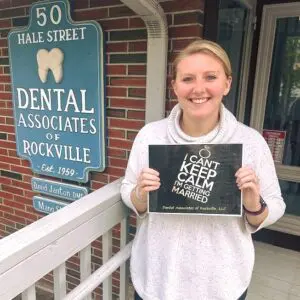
point(227, 85)
point(173, 83)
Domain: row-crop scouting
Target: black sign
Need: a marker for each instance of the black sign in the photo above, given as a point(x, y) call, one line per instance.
point(196, 179)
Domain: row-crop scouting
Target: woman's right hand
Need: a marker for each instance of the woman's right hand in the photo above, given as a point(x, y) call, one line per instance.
point(147, 181)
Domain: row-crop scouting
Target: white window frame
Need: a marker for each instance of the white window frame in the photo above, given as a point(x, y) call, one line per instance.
point(289, 223)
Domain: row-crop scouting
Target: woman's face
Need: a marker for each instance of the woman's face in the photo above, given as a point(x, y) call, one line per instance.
point(200, 85)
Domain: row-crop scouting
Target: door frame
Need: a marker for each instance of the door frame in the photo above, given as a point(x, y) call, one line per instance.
point(289, 223)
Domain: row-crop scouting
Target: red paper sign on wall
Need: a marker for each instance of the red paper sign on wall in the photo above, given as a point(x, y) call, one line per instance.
point(275, 140)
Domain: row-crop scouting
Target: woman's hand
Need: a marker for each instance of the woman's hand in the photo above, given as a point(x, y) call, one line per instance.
point(248, 183)
point(147, 181)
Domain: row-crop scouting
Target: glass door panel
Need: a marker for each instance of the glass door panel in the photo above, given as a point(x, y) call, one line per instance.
point(281, 126)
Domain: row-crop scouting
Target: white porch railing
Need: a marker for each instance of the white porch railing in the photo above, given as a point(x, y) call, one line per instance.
point(30, 253)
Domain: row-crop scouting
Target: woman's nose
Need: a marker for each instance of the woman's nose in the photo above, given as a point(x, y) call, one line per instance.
point(199, 86)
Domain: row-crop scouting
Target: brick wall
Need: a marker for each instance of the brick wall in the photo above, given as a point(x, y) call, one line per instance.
point(126, 44)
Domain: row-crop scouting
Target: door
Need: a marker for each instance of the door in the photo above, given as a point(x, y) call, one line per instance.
point(276, 102)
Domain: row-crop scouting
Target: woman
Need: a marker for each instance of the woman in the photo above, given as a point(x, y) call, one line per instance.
point(199, 257)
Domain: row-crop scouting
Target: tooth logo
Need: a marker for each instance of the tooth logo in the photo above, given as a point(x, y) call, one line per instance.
point(50, 60)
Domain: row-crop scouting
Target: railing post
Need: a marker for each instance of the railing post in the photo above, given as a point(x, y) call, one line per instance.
point(107, 253)
point(60, 286)
point(85, 265)
point(29, 294)
point(124, 269)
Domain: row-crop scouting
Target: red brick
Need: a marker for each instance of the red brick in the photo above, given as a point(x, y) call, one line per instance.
point(12, 152)
point(12, 190)
point(7, 88)
point(114, 24)
point(128, 81)
point(29, 194)
point(11, 138)
point(128, 103)
point(27, 178)
point(20, 184)
point(3, 151)
point(5, 180)
point(127, 124)
point(10, 121)
point(135, 114)
point(22, 2)
point(136, 23)
point(115, 133)
point(9, 145)
point(137, 92)
point(26, 163)
point(137, 70)
point(122, 144)
point(117, 47)
point(116, 152)
point(10, 160)
point(138, 46)
point(116, 92)
point(14, 218)
point(4, 166)
point(27, 215)
point(24, 200)
point(21, 170)
point(105, 2)
point(186, 18)
point(180, 44)
point(182, 5)
point(7, 128)
point(115, 171)
point(90, 14)
point(131, 135)
point(7, 209)
point(116, 69)
point(7, 112)
point(186, 31)
point(100, 177)
point(5, 23)
point(80, 4)
point(121, 163)
point(96, 185)
point(14, 204)
point(3, 43)
point(9, 104)
point(121, 11)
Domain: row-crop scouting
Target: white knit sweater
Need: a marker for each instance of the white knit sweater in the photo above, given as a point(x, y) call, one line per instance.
point(178, 257)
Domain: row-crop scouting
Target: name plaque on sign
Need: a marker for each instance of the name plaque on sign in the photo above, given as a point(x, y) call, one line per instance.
point(58, 92)
point(58, 189)
point(47, 206)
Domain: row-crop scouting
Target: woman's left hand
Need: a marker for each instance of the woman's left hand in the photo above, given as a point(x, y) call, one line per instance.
point(248, 183)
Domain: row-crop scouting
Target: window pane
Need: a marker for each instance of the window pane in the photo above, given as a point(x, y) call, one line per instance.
point(232, 20)
point(291, 195)
point(283, 100)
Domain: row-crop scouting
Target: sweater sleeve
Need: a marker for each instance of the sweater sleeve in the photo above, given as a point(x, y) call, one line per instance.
point(138, 159)
point(269, 187)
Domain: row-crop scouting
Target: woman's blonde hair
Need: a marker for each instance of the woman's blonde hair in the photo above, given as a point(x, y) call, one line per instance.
point(207, 47)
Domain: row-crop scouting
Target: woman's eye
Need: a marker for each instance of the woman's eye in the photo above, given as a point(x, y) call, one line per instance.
point(211, 77)
point(187, 79)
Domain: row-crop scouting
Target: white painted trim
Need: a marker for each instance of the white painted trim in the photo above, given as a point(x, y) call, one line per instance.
point(98, 276)
point(247, 47)
point(47, 243)
point(60, 283)
point(154, 17)
point(106, 255)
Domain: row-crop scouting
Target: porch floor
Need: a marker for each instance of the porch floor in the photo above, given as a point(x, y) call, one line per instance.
point(276, 274)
